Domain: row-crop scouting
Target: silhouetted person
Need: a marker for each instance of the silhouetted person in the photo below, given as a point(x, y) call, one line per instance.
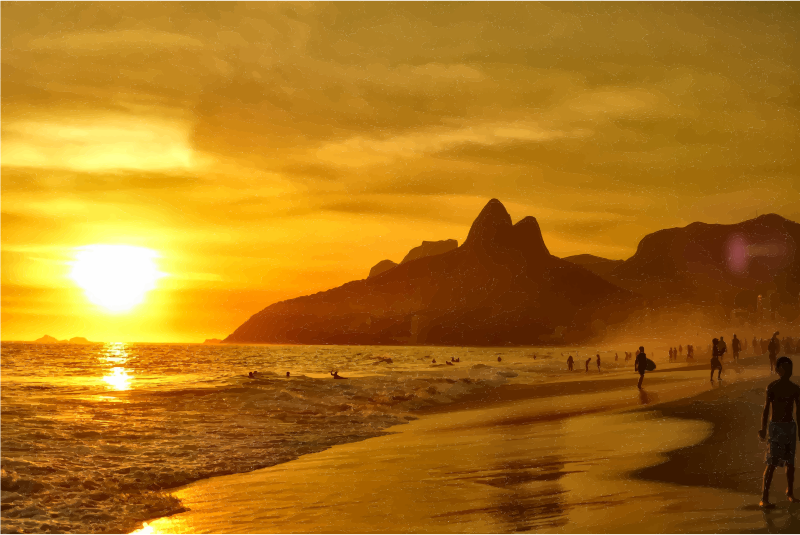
point(715, 362)
point(287, 374)
point(680, 350)
point(736, 346)
point(499, 359)
point(449, 363)
point(458, 359)
point(587, 364)
point(616, 357)
point(640, 364)
point(784, 397)
point(433, 361)
point(598, 362)
point(723, 348)
point(690, 352)
point(774, 347)
point(335, 375)
point(570, 362)
point(250, 375)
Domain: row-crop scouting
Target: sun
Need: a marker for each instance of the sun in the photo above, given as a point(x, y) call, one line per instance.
point(116, 277)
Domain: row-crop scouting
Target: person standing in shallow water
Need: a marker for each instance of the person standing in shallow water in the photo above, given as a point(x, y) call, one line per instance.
point(783, 396)
point(598, 362)
point(736, 347)
point(640, 364)
point(570, 363)
point(715, 362)
point(587, 364)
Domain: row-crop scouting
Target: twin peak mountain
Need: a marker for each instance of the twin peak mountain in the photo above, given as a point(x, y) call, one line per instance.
point(503, 287)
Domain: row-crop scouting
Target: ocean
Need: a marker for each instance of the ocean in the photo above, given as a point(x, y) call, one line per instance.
point(94, 436)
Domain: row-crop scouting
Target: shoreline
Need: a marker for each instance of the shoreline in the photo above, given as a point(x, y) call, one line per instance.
point(510, 410)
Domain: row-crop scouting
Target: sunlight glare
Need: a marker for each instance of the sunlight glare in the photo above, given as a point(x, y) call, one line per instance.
point(146, 529)
point(119, 379)
point(116, 277)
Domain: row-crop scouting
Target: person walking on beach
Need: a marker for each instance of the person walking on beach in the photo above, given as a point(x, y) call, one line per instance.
point(716, 364)
point(774, 347)
point(784, 397)
point(616, 357)
point(736, 345)
point(570, 362)
point(587, 364)
point(640, 364)
point(598, 362)
point(680, 349)
point(723, 348)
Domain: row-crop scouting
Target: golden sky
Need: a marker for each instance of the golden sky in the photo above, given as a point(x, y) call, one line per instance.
point(266, 151)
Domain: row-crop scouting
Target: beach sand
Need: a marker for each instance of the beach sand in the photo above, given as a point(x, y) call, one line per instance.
point(578, 456)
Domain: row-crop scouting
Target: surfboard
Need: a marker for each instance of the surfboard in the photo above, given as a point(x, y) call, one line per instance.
point(650, 366)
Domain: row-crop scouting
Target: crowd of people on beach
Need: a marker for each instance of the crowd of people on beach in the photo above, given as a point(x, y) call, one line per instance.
point(778, 425)
point(717, 351)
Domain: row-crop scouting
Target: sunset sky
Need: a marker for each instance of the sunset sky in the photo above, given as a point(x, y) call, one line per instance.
point(267, 151)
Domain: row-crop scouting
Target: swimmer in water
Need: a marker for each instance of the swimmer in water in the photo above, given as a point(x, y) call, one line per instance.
point(448, 363)
point(287, 374)
point(335, 375)
point(250, 375)
point(499, 359)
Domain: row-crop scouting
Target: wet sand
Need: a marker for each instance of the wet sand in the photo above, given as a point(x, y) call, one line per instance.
point(586, 455)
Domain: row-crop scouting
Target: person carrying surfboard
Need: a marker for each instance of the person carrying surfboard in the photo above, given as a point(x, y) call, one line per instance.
point(640, 364)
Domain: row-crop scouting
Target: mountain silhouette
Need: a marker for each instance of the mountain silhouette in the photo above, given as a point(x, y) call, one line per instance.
point(596, 264)
point(380, 267)
point(430, 248)
point(724, 264)
point(502, 286)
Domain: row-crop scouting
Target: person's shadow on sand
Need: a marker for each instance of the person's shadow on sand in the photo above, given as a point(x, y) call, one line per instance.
point(780, 521)
point(647, 399)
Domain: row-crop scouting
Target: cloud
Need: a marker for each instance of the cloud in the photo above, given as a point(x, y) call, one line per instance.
point(101, 143)
point(362, 151)
point(110, 42)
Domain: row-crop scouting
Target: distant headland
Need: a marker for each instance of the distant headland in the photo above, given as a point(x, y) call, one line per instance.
point(47, 339)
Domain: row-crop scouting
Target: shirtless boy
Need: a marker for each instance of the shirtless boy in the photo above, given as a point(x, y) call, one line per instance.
point(783, 395)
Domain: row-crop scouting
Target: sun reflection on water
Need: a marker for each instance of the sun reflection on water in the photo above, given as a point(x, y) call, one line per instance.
point(146, 529)
point(117, 377)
